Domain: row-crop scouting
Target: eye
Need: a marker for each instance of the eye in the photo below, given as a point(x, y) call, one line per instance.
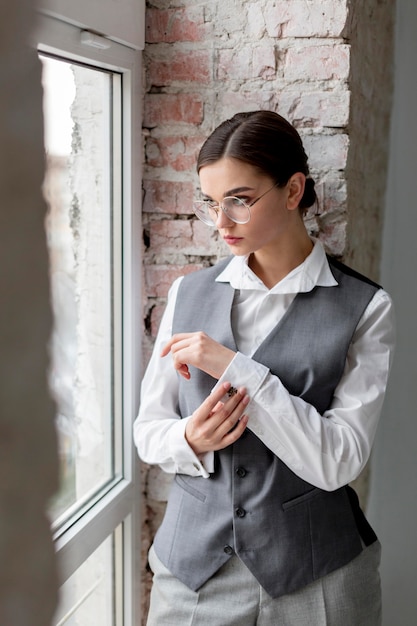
point(235, 201)
point(209, 203)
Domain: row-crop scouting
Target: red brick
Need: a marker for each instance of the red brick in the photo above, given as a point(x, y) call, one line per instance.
point(159, 278)
point(183, 237)
point(179, 153)
point(169, 108)
point(205, 239)
point(162, 196)
point(191, 67)
point(172, 236)
point(172, 25)
point(147, 349)
point(156, 316)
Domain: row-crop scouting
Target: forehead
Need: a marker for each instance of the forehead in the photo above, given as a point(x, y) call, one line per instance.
point(221, 177)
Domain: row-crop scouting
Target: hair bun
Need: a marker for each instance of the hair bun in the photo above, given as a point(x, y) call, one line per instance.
point(309, 197)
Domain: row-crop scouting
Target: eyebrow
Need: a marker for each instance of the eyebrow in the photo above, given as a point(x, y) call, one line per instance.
point(230, 192)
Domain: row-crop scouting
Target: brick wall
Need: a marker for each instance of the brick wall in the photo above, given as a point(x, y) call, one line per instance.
point(312, 61)
point(203, 63)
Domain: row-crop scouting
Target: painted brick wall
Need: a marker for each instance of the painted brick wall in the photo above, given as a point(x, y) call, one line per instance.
point(206, 61)
point(313, 61)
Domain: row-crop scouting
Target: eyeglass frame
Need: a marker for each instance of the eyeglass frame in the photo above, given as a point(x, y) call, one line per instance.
point(217, 207)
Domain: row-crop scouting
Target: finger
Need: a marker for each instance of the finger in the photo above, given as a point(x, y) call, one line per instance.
point(212, 426)
point(235, 434)
point(226, 414)
point(233, 412)
point(167, 348)
point(211, 403)
point(183, 371)
point(174, 340)
point(234, 399)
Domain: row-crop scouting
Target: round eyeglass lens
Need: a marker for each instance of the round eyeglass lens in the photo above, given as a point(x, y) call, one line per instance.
point(236, 210)
point(205, 212)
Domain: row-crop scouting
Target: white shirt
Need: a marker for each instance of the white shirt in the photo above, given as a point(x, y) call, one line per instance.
point(328, 450)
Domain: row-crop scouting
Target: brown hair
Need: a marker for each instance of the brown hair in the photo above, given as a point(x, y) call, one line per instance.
point(265, 140)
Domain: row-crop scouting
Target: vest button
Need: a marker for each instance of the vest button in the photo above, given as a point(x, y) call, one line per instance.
point(241, 472)
point(228, 549)
point(240, 512)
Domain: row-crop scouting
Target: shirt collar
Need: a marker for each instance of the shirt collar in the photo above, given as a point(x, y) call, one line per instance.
point(314, 271)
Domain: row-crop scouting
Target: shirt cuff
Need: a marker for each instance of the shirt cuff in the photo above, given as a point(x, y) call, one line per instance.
point(186, 461)
point(244, 372)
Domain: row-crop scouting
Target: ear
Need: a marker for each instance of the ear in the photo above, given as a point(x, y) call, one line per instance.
point(295, 188)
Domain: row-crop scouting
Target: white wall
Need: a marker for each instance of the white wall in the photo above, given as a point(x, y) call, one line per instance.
point(393, 500)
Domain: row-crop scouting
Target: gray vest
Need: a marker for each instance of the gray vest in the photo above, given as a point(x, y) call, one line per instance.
point(285, 530)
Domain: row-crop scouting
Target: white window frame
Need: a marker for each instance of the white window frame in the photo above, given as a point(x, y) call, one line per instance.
point(121, 504)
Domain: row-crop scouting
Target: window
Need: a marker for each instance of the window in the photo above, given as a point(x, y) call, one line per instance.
point(90, 596)
point(91, 104)
point(82, 186)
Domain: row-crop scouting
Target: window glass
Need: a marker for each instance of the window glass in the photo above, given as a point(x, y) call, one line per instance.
point(90, 596)
point(82, 132)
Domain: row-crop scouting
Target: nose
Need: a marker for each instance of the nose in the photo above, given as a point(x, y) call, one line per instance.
point(223, 221)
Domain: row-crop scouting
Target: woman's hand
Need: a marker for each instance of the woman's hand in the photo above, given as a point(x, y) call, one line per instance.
point(217, 424)
point(199, 350)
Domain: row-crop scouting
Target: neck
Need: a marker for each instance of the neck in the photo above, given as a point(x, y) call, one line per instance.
point(272, 265)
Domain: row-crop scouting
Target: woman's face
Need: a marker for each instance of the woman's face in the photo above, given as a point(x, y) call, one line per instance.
point(271, 221)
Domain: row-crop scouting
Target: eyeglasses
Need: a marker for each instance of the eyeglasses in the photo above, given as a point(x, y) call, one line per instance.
point(236, 209)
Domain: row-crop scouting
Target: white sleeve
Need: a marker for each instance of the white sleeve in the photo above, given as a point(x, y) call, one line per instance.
point(158, 431)
point(328, 450)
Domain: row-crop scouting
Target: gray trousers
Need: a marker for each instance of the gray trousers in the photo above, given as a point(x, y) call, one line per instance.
point(350, 596)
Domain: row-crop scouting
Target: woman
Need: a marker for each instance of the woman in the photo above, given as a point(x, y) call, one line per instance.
point(262, 397)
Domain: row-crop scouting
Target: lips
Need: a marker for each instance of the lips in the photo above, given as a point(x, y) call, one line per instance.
point(232, 240)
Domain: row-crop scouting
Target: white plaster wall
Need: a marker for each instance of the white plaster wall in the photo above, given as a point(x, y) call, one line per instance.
point(393, 499)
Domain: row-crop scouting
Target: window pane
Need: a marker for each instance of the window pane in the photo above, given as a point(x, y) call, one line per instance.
point(79, 140)
point(90, 595)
